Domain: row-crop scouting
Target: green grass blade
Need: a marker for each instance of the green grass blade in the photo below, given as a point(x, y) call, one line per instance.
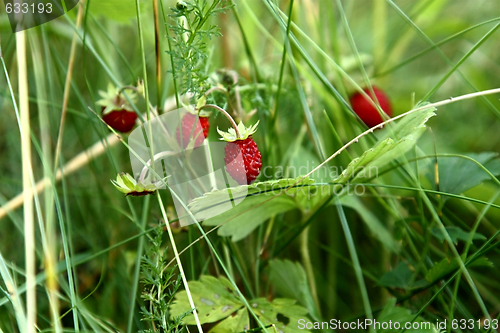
point(355, 260)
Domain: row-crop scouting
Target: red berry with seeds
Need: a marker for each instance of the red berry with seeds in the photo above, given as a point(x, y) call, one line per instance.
point(366, 111)
point(242, 156)
point(120, 120)
point(116, 110)
point(193, 129)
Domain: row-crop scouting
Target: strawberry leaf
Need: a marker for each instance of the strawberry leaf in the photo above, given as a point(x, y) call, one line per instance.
point(290, 280)
point(281, 312)
point(362, 162)
point(447, 266)
point(215, 299)
point(456, 234)
point(400, 315)
point(258, 202)
point(410, 124)
point(399, 277)
point(237, 322)
point(452, 169)
point(397, 140)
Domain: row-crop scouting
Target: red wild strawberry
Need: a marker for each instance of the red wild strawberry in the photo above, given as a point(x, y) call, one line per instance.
point(199, 133)
point(245, 169)
point(120, 120)
point(116, 110)
point(366, 111)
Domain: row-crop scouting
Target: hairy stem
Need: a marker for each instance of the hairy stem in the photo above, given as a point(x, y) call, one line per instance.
point(228, 116)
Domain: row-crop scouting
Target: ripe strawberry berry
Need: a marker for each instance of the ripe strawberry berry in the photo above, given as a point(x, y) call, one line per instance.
point(245, 169)
point(366, 111)
point(199, 133)
point(120, 120)
point(116, 111)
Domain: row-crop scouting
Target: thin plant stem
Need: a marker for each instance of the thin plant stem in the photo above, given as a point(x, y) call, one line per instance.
point(29, 221)
point(13, 295)
point(228, 116)
point(355, 260)
point(255, 69)
point(302, 96)
point(67, 85)
point(143, 58)
point(308, 266)
point(179, 264)
point(445, 58)
point(157, 53)
point(145, 75)
point(282, 67)
point(354, 48)
point(137, 270)
point(461, 61)
point(64, 109)
point(172, 64)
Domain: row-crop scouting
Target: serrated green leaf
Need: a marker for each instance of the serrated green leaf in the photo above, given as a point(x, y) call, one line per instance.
point(281, 312)
point(399, 277)
point(254, 211)
point(238, 322)
point(209, 202)
point(409, 124)
point(255, 208)
point(396, 314)
point(397, 140)
point(215, 299)
point(364, 160)
point(457, 175)
point(456, 234)
point(447, 266)
point(290, 280)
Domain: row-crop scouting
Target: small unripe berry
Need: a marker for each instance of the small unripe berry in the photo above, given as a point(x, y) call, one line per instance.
point(181, 5)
